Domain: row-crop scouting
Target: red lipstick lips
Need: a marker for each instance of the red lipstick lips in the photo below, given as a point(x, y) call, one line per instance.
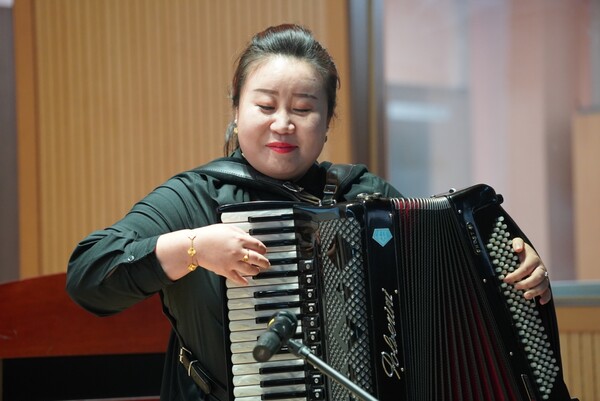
point(281, 147)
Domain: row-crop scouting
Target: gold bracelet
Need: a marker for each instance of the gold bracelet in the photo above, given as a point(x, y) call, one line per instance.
point(192, 251)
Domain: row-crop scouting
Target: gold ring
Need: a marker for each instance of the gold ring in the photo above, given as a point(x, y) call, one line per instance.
point(246, 256)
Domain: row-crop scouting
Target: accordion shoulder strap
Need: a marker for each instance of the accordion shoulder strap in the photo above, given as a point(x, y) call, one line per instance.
point(339, 176)
point(232, 170)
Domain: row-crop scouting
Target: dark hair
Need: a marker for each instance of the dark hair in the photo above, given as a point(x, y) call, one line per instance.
point(287, 40)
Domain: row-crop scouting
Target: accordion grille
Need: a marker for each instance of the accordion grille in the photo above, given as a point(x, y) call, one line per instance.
point(345, 308)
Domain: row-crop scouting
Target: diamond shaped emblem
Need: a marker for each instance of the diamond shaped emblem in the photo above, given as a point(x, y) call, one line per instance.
point(382, 236)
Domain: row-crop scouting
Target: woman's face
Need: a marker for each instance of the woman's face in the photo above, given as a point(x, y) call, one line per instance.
point(282, 117)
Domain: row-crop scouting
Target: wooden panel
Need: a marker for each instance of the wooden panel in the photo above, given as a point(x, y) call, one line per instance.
point(580, 349)
point(42, 321)
point(118, 95)
point(586, 194)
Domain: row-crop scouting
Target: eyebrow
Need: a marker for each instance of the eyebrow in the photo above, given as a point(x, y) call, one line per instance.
point(273, 92)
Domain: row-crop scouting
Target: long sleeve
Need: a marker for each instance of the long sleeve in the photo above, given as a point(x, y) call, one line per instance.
point(116, 267)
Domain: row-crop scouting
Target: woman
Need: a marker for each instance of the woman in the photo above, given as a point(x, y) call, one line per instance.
point(284, 97)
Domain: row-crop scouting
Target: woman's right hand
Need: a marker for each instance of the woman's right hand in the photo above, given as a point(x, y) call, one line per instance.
point(223, 249)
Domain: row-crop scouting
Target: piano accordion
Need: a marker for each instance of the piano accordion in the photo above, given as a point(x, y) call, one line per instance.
point(404, 296)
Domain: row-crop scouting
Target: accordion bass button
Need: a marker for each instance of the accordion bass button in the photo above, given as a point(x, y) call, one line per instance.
point(316, 394)
point(316, 379)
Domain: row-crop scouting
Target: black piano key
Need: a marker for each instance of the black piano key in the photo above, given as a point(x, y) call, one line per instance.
point(274, 274)
point(267, 319)
point(282, 382)
point(258, 219)
point(276, 293)
point(282, 396)
point(270, 230)
point(282, 350)
point(279, 242)
point(269, 370)
point(283, 261)
point(277, 305)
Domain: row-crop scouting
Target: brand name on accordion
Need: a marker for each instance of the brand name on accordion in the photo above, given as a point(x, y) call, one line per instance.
point(389, 359)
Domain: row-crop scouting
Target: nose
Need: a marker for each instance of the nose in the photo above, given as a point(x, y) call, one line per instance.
point(282, 123)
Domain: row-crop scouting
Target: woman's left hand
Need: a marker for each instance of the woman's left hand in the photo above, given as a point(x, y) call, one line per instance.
point(531, 276)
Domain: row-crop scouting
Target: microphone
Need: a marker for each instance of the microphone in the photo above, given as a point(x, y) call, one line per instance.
point(280, 329)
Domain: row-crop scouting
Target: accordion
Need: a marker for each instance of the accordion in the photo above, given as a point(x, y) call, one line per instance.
point(404, 296)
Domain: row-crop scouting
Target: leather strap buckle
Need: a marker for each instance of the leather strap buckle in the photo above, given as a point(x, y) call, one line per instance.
point(194, 371)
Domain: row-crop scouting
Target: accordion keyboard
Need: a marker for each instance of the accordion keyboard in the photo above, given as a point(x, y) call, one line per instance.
point(286, 286)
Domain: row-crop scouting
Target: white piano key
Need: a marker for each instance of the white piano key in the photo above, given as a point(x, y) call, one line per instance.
point(276, 237)
point(249, 335)
point(251, 314)
point(259, 398)
point(245, 391)
point(250, 324)
point(290, 267)
point(243, 346)
point(246, 314)
point(248, 346)
point(282, 254)
point(252, 335)
point(268, 281)
point(282, 248)
point(247, 357)
point(248, 380)
point(244, 325)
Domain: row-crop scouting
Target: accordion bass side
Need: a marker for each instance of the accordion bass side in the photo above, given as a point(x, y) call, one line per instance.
point(403, 296)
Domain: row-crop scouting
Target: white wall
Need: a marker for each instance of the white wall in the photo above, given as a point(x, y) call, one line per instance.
point(494, 86)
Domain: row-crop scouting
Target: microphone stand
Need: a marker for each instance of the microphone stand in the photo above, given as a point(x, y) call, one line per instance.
point(303, 352)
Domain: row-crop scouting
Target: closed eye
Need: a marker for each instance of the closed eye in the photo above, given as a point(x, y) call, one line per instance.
point(265, 107)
